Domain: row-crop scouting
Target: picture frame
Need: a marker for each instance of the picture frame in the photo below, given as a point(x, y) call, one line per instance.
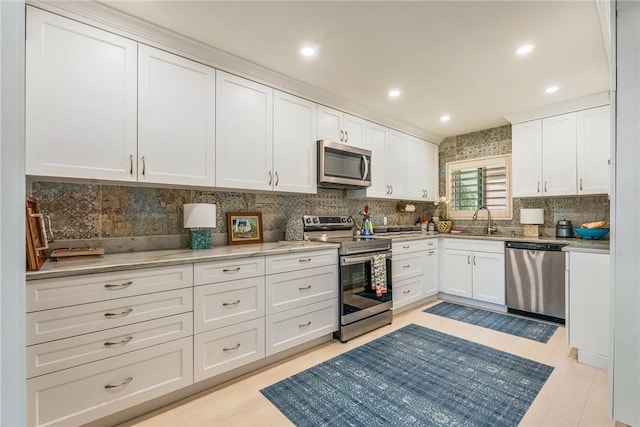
point(244, 227)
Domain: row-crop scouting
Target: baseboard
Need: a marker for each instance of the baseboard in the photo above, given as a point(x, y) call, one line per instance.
point(593, 359)
point(472, 302)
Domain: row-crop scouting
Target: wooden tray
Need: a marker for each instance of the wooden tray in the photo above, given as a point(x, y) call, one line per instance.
point(35, 235)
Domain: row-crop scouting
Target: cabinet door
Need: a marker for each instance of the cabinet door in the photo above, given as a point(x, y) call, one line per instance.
point(354, 130)
point(527, 159)
point(457, 278)
point(294, 144)
point(431, 171)
point(559, 155)
point(430, 283)
point(488, 277)
point(330, 124)
point(376, 139)
point(594, 150)
point(81, 95)
point(244, 124)
point(176, 119)
point(416, 169)
point(588, 318)
point(395, 164)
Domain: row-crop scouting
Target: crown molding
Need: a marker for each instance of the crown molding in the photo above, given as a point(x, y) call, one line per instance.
point(106, 18)
point(591, 101)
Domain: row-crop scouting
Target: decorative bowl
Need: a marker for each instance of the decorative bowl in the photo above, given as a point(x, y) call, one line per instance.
point(591, 233)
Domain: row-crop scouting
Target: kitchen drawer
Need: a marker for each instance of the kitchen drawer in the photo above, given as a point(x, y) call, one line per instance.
point(223, 304)
point(406, 266)
point(78, 395)
point(58, 323)
point(227, 348)
point(297, 288)
point(73, 290)
point(222, 271)
point(67, 353)
point(294, 327)
point(475, 245)
point(407, 291)
point(409, 246)
point(301, 260)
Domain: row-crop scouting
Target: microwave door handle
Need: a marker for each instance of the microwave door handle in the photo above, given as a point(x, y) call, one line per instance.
point(366, 167)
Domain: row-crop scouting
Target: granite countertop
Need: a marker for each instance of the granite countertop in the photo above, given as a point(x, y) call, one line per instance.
point(573, 244)
point(161, 258)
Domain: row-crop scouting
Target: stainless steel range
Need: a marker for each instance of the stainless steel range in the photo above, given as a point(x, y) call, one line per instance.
point(365, 262)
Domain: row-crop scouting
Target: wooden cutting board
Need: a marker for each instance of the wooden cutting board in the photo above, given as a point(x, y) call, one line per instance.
point(35, 235)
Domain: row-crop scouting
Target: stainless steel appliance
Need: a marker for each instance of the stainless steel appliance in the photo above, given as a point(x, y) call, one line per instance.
point(362, 309)
point(343, 166)
point(564, 228)
point(535, 279)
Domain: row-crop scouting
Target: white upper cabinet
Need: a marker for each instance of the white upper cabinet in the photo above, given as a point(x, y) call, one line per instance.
point(559, 155)
point(395, 163)
point(376, 138)
point(421, 169)
point(337, 126)
point(244, 133)
point(294, 144)
point(80, 100)
point(527, 159)
point(594, 150)
point(562, 155)
point(176, 119)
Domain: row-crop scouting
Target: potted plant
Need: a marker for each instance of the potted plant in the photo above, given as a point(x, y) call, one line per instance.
point(443, 223)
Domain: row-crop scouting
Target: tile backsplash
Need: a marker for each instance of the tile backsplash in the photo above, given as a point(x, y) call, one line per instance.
point(99, 212)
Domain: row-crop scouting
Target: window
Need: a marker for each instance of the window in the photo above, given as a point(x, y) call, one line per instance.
point(480, 182)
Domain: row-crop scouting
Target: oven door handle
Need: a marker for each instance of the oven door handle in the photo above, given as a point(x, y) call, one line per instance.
point(350, 260)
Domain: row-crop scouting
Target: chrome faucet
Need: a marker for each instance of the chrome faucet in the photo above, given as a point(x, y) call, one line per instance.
point(490, 229)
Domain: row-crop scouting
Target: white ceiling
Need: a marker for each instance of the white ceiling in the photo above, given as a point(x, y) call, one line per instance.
point(447, 57)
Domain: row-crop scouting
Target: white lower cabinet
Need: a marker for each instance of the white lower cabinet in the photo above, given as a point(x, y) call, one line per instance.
point(414, 270)
point(88, 392)
point(588, 303)
point(294, 327)
point(227, 348)
point(474, 269)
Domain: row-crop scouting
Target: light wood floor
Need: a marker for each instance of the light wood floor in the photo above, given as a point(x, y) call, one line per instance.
point(574, 395)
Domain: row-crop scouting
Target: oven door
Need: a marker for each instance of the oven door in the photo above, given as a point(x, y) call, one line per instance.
point(343, 166)
point(358, 298)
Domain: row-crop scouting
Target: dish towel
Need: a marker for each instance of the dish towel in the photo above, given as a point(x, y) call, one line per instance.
point(379, 274)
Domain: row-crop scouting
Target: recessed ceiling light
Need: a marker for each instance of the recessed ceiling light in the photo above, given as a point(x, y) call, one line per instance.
point(524, 49)
point(308, 51)
point(445, 118)
point(551, 89)
point(394, 93)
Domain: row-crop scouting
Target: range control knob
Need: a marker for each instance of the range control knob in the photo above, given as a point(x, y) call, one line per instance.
point(308, 220)
point(315, 220)
point(343, 219)
point(349, 219)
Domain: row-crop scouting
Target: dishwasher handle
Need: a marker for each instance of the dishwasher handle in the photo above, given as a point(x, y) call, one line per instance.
point(535, 246)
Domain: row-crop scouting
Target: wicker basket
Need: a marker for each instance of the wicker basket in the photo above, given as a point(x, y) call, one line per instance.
point(444, 226)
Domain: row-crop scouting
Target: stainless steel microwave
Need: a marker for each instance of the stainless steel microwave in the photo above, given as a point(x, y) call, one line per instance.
point(343, 166)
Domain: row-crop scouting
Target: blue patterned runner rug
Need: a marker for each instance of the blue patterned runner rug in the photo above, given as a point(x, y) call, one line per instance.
point(412, 376)
point(525, 328)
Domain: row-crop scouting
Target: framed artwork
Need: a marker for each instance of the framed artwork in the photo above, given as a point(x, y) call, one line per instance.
point(243, 227)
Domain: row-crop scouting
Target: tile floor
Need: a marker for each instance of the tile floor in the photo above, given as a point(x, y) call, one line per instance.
point(574, 395)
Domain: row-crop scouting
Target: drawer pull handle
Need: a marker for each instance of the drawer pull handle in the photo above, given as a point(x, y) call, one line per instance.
point(125, 382)
point(304, 325)
point(237, 346)
point(305, 260)
point(118, 285)
point(123, 342)
point(231, 270)
point(406, 266)
point(227, 304)
point(305, 288)
point(430, 244)
point(406, 247)
point(431, 252)
point(122, 313)
point(407, 291)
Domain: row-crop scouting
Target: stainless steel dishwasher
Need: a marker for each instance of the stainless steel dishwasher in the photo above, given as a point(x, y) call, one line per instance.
point(535, 279)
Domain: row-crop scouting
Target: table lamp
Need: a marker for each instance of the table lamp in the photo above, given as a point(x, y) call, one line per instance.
point(531, 218)
point(199, 218)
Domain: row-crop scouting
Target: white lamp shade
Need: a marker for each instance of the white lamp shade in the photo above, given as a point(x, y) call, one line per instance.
point(531, 216)
point(199, 215)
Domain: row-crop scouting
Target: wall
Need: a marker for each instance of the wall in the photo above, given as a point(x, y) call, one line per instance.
point(116, 215)
point(496, 141)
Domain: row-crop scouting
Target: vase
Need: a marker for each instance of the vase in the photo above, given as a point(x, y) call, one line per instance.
point(444, 226)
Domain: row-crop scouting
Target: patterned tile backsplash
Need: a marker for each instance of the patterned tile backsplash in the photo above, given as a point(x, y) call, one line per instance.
point(93, 211)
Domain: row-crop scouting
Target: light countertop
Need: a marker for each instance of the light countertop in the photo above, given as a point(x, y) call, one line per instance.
point(161, 258)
